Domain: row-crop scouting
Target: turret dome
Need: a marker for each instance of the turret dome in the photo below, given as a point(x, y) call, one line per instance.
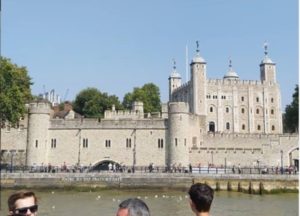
point(198, 59)
point(266, 59)
point(231, 74)
point(174, 73)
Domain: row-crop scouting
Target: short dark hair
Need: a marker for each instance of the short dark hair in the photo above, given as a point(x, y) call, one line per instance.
point(19, 195)
point(136, 207)
point(202, 196)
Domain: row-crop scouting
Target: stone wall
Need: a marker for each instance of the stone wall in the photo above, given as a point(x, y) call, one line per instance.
point(244, 183)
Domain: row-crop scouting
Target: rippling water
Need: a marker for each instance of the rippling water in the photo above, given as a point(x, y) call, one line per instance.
point(161, 203)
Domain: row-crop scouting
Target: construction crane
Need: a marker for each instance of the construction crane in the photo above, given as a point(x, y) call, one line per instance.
point(65, 96)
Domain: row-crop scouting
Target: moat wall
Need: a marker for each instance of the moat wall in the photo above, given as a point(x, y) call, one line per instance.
point(242, 183)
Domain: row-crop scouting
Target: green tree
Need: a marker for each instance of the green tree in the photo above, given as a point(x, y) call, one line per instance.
point(92, 103)
point(15, 91)
point(149, 94)
point(291, 116)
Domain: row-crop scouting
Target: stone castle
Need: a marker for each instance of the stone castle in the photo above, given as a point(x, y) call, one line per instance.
point(206, 121)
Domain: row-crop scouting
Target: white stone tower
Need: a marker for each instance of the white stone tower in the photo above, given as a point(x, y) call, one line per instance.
point(177, 152)
point(38, 125)
point(198, 81)
point(174, 81)
point(267, 68)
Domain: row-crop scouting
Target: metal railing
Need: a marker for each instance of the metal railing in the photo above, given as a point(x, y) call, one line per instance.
point(286, 170)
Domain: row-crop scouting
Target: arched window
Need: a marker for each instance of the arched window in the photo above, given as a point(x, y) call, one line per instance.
point(211, 127)
point(272, 100)
point(243, 110)
point(243, 127)
point(273, 127)
point(211, 109)
point(257, 111)
point(242, 98)
point(257, 99)
point(227, 109)
point(272, 111)
point(258, 127)
point(227, 126)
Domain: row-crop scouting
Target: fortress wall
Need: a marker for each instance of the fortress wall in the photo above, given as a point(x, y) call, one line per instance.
point(145, 140)
point(245, 150)
point(67, 143)
point(14, 139)
point(13, 146)
point(107, 124)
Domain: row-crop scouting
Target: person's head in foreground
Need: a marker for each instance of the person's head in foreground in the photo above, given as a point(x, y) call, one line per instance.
point(22, 203)
point(201, 197)
point(133, 207)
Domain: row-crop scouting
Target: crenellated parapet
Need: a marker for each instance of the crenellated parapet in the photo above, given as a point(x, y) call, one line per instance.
point(123, 114)
point(183, 87)
point(39, 108)
point(234, 82)
point(178, 107)
point(56, 124)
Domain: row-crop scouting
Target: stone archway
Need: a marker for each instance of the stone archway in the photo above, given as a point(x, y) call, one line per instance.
point(105, 165)
point(294, 157)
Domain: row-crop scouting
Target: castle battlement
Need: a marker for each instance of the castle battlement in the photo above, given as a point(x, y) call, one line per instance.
point(178, 107)
point(107, 124)
point(39, 107)
point(234, 82)
point(182, 87)
point(123, 114)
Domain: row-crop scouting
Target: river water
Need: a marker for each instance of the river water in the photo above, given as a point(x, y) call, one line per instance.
point(161, 203)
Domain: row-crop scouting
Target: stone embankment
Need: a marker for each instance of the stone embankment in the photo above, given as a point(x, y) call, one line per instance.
point(231, 182)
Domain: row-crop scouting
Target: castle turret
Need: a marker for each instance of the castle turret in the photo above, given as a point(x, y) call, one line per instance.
point(267, 68)
point(38, 125)
point(177, 152)
point(231, 74)
point(174, 81)
point(138, 107)
point(198, 81)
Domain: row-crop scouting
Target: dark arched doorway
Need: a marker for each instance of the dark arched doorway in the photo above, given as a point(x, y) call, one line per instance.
point(294, 157)
point(105, 165)
point(211, 127)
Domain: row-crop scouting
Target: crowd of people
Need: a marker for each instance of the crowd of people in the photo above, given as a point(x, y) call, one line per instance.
point(25, 203)
point(174, 168)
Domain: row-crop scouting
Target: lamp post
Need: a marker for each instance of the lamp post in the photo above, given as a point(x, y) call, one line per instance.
point(12, 154)
point(281, 167)
point(225, 164)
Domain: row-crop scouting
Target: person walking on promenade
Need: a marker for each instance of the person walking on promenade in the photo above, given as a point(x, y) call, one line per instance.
point(22, 203)
point(201, 197)
point(133, 207)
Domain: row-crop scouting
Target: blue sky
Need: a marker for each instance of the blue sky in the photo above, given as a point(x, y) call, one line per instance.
point(116, 45)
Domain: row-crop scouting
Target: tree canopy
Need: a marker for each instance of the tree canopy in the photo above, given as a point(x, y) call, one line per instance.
point(15, 91)
point(91, 102)
point(291, 116)
point(149, 94)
